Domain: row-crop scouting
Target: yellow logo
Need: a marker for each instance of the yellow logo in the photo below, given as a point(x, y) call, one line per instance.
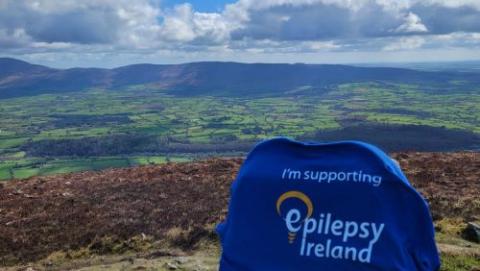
point(334, 235)
point(302, 197)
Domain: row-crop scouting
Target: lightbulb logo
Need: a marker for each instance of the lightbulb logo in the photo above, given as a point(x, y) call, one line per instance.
point(293, 217)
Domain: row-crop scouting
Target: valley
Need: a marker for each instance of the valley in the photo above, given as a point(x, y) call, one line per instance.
point(95, 129)
point(124, 125)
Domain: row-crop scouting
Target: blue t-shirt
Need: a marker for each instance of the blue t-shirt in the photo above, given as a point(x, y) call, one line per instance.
point(338, 206)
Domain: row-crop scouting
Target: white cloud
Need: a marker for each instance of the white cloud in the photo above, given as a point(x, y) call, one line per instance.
point(405, 43)
point(178, 26)
point(451, 3)
point(144, 27)
point(412, 24)
point(323, 45)
point(52, 45)
point(183, 24)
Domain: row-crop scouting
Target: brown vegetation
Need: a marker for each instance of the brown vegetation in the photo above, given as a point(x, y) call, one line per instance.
point(181, 202)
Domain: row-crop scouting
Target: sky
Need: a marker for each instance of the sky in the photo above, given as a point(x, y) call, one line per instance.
point(110, 33)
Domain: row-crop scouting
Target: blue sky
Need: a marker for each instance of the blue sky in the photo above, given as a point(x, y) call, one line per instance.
point(109, 33)
point(200, 5)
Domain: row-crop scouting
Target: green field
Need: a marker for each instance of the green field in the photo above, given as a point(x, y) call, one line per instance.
point(184, 128)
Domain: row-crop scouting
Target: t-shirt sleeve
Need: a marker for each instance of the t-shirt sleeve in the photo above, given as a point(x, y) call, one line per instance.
point(424, 250)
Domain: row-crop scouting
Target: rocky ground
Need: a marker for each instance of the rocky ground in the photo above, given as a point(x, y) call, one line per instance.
point(162, 217)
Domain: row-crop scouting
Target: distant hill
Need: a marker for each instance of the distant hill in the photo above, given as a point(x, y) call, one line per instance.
point(19, 78)
point(13, 67)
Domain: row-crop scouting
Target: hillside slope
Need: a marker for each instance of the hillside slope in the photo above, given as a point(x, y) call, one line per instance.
point(100, 212)
point(18, 78)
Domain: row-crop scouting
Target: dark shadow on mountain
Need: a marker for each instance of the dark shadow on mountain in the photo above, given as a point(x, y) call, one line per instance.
point(391, 137)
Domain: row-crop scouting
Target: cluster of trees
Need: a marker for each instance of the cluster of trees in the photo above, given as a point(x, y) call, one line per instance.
point(129, 144)
point(66, 121)
point(392, 137)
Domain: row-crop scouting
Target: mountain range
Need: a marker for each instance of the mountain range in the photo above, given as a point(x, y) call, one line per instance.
point(19, 78)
